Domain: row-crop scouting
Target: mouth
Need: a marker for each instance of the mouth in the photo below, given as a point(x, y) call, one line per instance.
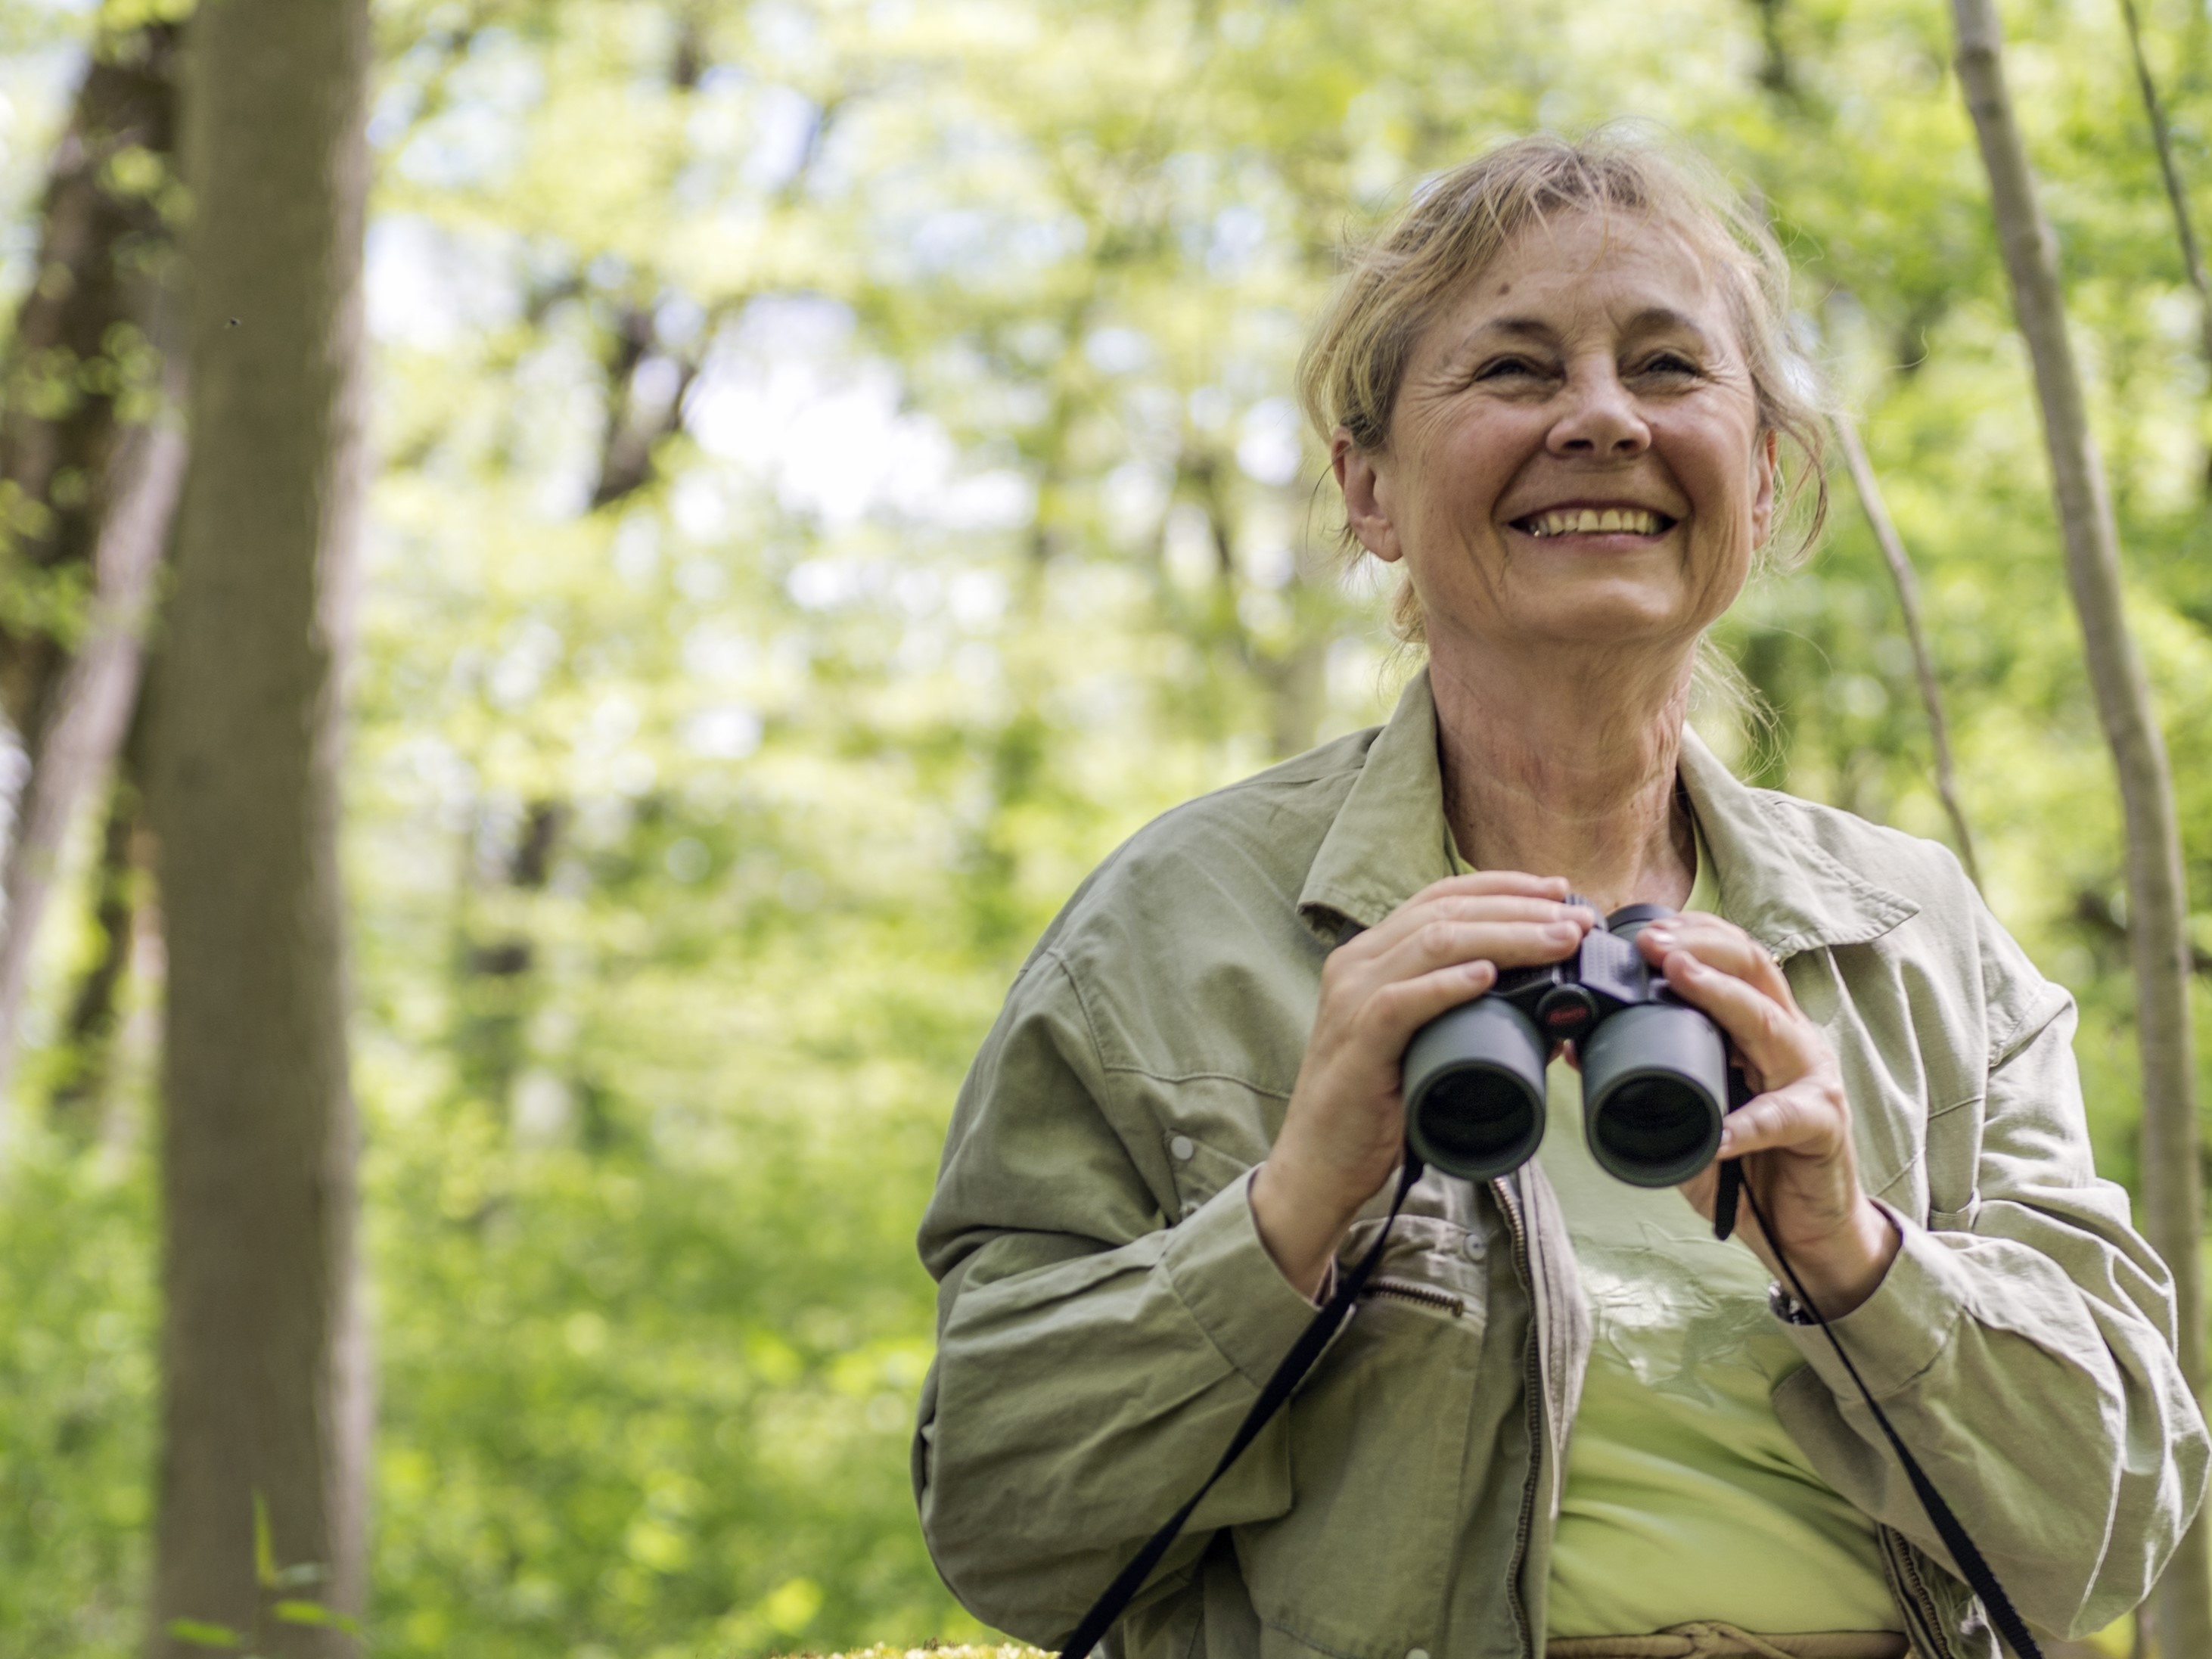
point(1595, 521)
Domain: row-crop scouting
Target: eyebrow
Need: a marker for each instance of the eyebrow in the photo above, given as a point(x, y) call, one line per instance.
point(1651, 320)
point(1658, 319)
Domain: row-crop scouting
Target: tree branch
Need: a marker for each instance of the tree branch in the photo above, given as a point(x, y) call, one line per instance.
point(1908, 603)
point(90, 707)
point(2192, 258)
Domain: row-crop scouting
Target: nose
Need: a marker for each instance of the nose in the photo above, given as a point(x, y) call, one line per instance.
point(1598, 418)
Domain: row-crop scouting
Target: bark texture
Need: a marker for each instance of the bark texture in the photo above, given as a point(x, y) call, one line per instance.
point(264, 1375)
point(2158, 898)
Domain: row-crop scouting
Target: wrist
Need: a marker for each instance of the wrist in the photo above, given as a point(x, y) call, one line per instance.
point(1848, 1267)
point(1300, 1226)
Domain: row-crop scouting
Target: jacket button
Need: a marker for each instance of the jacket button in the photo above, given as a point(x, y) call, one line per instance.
point(1471, 1246)
point(1183, 1147)
point(1417, 1653)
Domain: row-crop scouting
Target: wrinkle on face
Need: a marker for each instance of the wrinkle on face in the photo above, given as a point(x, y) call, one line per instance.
point(1593, 359)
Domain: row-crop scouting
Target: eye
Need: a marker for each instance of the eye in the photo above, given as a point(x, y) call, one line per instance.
point(1672, 364)
point(1507, 368)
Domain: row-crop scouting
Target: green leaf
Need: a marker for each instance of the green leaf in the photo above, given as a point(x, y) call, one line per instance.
point(314, 1613)
point(304, 1572)
point(264, 1545)
point(201, 1634)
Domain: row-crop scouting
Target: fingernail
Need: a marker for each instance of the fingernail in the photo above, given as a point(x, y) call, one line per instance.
point(1661, 937)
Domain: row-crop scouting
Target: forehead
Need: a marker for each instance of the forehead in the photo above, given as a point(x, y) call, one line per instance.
point(1586, 269)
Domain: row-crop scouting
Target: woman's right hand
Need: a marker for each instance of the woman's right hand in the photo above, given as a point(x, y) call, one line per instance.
point(1345, 1129)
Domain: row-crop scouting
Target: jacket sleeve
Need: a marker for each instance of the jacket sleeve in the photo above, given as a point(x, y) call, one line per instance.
point(2028, 1360)
point(1093, 1361)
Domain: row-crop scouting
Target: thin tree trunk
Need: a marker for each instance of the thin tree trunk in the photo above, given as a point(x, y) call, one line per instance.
point(1908, 606)
point(265, 1406)
point(84, 351)
point(2158, 899)
point(89, 711)
point(2192, 258)
point(87, 451)
point(81, 1090)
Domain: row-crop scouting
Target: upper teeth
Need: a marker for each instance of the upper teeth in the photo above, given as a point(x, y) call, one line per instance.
point(1583, 520)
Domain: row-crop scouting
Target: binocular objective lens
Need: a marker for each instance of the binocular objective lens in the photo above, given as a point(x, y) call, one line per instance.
point(1472, 1119)
point(1653, 1122)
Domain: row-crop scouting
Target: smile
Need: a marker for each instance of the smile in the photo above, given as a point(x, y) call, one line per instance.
point(1600, 522)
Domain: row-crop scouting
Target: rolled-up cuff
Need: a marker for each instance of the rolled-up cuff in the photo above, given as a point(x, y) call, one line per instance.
point(1223, 1275)
point(1899, 1332)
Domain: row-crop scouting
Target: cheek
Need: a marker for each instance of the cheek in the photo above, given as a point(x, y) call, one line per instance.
point(1719, 467)
point(1450, 482)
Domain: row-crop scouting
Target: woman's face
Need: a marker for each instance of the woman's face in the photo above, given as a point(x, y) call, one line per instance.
point(1576, 455)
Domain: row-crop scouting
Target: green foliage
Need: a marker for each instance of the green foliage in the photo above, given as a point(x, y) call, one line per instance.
point(201, 1634)
point(836, 480)
point(76, 1368)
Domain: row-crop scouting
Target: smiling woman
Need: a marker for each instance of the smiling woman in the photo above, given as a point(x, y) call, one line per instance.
point(1359, 362)
point(1569, 1419)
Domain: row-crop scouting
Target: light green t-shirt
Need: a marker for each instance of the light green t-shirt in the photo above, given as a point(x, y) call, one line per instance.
point(1685, 1498)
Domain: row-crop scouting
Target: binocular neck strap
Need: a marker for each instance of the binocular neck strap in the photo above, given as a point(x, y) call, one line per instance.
point(1280, 1386)
point(1972, 1565)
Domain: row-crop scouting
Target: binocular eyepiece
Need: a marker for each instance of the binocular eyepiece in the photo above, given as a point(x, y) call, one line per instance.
point(1655, 1069)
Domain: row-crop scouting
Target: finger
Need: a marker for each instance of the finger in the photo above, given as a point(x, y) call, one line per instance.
point(1447, 899)
point(1389, 1018)
point(1498, 908)
point(1478, 882)
point(1720, 943)
point(1508, 944)
point(1781, 1045)
point(1804, 1121)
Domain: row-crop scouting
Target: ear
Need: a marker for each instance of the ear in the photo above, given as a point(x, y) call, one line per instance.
point(1764, 464)
point(1366, 496)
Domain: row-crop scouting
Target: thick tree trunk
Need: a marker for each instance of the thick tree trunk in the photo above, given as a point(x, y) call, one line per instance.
point(2158, 898)
point(266, 1383)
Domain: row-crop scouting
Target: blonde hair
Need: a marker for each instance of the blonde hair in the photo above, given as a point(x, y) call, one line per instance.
point(1455, 226)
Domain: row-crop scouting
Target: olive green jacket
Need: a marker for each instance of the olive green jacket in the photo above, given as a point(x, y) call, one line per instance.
point(1106, 1312)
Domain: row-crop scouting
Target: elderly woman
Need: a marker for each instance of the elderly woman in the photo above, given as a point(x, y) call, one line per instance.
point(1566, 1419)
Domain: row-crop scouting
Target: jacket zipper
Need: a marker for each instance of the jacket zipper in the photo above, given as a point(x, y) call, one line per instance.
point(1931, 1618)
point(1421, 1294)
point(1532, 1389)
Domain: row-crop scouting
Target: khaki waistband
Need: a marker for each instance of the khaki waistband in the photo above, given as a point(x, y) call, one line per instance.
point(1709, 1640)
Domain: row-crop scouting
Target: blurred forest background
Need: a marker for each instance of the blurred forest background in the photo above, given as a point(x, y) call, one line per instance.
point(834, 476)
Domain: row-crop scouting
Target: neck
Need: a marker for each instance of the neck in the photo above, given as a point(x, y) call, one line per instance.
point(1565, 765)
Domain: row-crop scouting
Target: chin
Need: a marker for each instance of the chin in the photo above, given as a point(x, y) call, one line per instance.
point(1609, 617)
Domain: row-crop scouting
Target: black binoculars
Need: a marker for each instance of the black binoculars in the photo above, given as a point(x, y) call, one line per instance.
point(1655, 1069)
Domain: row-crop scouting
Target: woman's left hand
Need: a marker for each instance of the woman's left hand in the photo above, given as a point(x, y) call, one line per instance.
point(1795, 1133)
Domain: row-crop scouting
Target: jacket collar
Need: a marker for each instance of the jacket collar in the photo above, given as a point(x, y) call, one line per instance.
point(1775, 882)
